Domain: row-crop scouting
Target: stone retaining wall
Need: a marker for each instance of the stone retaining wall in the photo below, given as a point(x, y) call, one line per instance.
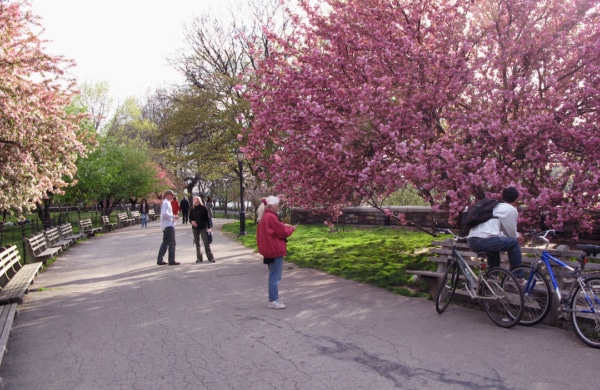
point(365, 215)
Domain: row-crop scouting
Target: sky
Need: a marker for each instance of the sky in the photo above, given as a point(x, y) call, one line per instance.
point(123, 42)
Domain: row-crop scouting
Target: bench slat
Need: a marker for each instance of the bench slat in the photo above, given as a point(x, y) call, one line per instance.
point(66, 231)
point(19, 284)
point(7, 317)
point(124, 220)
point(36, 246)
point(16, 278)
point(432, 274)
point(55, 240)
point(86, 227)
point(107, 226)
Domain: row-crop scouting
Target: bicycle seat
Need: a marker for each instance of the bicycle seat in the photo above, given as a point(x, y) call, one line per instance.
point(589, 249)
point(482, 254)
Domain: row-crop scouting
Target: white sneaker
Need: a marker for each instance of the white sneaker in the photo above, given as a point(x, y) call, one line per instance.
point(276, 305)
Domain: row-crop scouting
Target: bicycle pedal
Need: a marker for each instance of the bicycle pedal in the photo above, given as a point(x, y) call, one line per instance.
point(564, 317)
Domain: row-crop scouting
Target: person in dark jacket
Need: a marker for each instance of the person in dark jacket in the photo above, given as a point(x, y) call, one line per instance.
point(271, 238)
point(201, 227)
point(184, 206)
point(144, 210)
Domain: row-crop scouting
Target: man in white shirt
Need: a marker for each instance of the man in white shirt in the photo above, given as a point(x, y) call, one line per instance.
point(499, 233)
point(167, 225)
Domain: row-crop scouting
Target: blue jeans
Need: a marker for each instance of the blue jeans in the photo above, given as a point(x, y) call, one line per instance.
point(144, 220)
point(495, 245)
point(275, 270)
point(168, 242)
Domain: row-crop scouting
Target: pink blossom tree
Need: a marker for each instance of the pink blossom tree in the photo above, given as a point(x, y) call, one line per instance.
point(459, 98)
point(39, 139)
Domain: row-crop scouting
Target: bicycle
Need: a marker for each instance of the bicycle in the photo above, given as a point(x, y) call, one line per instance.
point(497, 288)
point(582, 301)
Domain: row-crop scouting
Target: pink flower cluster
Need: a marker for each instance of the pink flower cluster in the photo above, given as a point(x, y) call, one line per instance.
point(455, 100)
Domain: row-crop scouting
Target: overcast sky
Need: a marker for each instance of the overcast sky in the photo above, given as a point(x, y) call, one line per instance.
point(123, 42)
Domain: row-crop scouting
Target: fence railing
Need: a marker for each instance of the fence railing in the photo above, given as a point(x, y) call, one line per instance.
point(12, 233)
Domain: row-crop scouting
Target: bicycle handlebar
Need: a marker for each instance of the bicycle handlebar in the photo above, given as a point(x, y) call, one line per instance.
point(588, 249)
point(543, 235)
point(448, 231)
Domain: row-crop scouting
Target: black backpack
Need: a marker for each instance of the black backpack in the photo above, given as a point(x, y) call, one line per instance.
point(480, 212)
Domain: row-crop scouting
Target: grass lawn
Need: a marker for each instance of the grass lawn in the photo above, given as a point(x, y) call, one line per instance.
point(374, 255)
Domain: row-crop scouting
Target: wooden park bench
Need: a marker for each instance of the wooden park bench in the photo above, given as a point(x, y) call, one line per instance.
point(66, 232)
point(15, 280)
point(86, 227)
point(7, 316)
point(443, 250)
point(55, 240)
point(136, 216)
point(37, 248)
point(124, 220)
point(152, 215)
point(108, 226)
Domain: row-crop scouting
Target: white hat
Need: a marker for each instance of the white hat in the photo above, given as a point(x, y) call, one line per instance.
point(272, 200)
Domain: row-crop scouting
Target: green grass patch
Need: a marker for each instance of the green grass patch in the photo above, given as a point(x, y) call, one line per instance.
point(378, 256)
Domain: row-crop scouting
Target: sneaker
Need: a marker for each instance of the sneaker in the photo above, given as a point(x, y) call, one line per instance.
point(174, 263)
point(199, 261)
point(276, 305)
point(212, 260)
point(523, 282)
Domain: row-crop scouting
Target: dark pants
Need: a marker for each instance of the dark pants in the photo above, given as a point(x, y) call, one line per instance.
point(494, 245)
point(186, 215)
point(198, 233)
point(168, 242)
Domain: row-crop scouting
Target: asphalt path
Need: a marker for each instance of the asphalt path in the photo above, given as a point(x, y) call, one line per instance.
point(105, 316)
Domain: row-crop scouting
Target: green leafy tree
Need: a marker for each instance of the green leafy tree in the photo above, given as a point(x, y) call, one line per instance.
point(119, 169)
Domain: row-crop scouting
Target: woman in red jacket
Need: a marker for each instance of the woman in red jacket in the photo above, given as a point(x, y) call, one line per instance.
point(175, 205)
point(271, 235)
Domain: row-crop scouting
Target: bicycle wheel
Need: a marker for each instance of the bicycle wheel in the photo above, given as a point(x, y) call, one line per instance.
point(447, 287)
point(502, 297)
point(585, 306)
point(537, 295)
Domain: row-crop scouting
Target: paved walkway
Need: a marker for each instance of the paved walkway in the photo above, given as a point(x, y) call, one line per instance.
point(104, 316)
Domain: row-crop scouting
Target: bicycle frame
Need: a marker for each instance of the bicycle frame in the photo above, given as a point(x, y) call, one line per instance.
point(547, 259)
point(592, 300)
point(473, 280)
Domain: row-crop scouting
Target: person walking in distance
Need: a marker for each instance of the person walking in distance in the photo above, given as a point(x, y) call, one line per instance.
point(167, 225)
point(271, 237)
point(144, 210)
point(175, 205)
point(209, 206)
point(184, 206)
point(201, 228)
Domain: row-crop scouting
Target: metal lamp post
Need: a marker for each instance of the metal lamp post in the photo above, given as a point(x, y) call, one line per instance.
point(226, 199)
point(240, 158)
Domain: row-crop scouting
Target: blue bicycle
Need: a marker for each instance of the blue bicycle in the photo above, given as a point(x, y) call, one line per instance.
point(583, 300)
